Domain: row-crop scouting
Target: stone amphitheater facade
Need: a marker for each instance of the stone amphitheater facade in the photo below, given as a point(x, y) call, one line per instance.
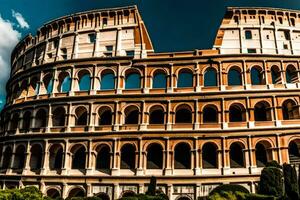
point(93, 110)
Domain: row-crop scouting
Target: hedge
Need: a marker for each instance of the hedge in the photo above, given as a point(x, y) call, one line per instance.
point(228, 187)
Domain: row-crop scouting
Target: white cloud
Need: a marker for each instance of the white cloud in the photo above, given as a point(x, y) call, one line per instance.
point(9, 37)
point(20, 19)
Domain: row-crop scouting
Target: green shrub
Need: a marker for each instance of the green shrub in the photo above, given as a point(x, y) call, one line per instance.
point(274, 163)
point(290, 182)
point(259, 197)
point(229, 187)
point(271, 182)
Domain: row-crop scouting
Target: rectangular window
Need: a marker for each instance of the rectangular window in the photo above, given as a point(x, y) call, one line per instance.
point(129, 53)
point(104, 22)
point(251, 50)
point(248, 35)
point(109, 48)
point(287, 35)
point(92, 37)
point(55, 43)
point(285, 46)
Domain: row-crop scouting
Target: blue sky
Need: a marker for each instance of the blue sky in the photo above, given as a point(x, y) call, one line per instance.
point(173, 25)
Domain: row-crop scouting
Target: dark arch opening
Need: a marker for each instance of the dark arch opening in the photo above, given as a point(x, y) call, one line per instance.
point(184, 198)
point(81, 116)
point(36, 157)
point(53, 193)
point(128, 157)
point(14, 122)
point(261, 112)
point(7, 158)
point(154, 156)
point(294, 155)
point(107, 81)
point(236, 156)
point(103, 196)
point(236, 114)
point(185, 79)
point(26, 121)
point(210, 114)
point(159, 80)
point(290, 110)
point(41, 119)
point(157, 116)
point(291, 74)
point(209, 156)
point(210, 77)
point(76, 192)
point(132, 116)
point(58, 118)
point(182, 157)
point(257, 77)
point(133, 81)
point(105, 117)
point(56, 157)
point(234, 77)
point(103, 157)
point(19, 162)
point(276, 77)
point(261, 155)
point(183, 115)
point(84, 80)
point(79, 158)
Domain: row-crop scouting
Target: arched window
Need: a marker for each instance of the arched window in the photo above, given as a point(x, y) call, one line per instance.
point(76, 192)
point(209, 156)
point(291, 74)
point(36, 157)
point(132, 115)
point(103, 196)
point(64, 82)
point(257, 77)
point(290, 110)
point(7, 155)
point(103, 157)
point(81, 116)
point(261, 155)
point(79, 157)
point(19, 162)
point(107, 81)
point(276, 77)
point(58, 116)
point(53, 193)
point(105, 116)
point(210, 114)
point(154, 156)
point(234, 77)
point(33, 87)
point(41, 119)
point(237, 113)
point(183, 114)
point(128, 156)
point(182, 156)
point(133, 81)
point(14, 122)
point(294, 153)
point(236, 155)
point(24, 88)
point(262, 111)
point(26, 121)
point(56, 157)
point(48, 83)
point(84, 80)
point(210, 77)
point(185, 79)
point(157, 116)
point(159, 80)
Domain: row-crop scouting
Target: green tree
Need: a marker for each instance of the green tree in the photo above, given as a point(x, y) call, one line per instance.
point(290, 182)
point(152, 187)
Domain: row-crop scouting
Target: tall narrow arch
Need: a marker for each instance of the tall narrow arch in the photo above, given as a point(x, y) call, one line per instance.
point(185, 78)
point(236, 154)
point(41, 118)
point(78, 157)
point(103, 157)
point(234, 76)
point(276, 76)
point(132, 115)
point(26, 121)
point(105, 116)
point(20, 157)
point(294, 152)
point(56, 157)
point(291, 74)
point(64, 82)
point(262, 111)
point(7, 155)
point(209, 156)
point(237, 113)
point(14, 121)
point(157, 115)
point(58, 116)
point(290, 110)
point(257, 77)
point(210, 114)
point(84, 80)
point(107, 80)
point(183, 114)
point(128, 156)
point(48, 83)
point(210, 77)
point(262, 153)
point(182, 156)
point(159, 80)
point(154, 156)
point(36, 158)
point(81, 116)
point(133, 80)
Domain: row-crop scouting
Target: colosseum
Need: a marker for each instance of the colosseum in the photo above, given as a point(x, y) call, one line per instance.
point(92, 110)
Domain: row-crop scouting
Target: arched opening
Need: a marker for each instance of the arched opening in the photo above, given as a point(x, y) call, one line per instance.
point(107, 81)
point(236, 155)
point(26, 121)
point(183, 198)
point(132, 115)
point(234, 77)
point(182, 156)
point(257, 77)
point(290, 110)
point(84, 80)
point(183, 114)
point(16, 92)
point(185, 79)
point(262, 111)
point(210, 77)
point(154, 156)
point(133, 81)
point(64, 82)
point(41, 119)
point(19, 162)
point(103, 157)
point(76, 192)
point(157, 116)
point(14, 122)
point(36, 157)
point(237, 113)
point(209, 156)
point(291, 74)
point(33, 87)
point(128, 157)
point(294, 153)
point(159, 80)
point(261, 154)
point(103, 196)
point(276, 77)
point(81, 116)
point(53, 193)
point(7, 158)
point(210, 114)
point(58, 116)
point(105, 116)
point(24, 88)
point(48, 83)
point(78, 157)
point(56, 157)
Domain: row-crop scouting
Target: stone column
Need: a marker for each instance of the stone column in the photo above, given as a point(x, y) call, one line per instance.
point(27, 159)
point(115, 171)
point(89, 167)
point(169, 116)
point(117, 114)
point(12, 160)
point(66, 158)
point(168, 167)
point(171, 79)
point(196, 120)
point(143, 122)
point(197, 169)
point(145, 85)
point(197, 72)
point(46, 157)
point(139, 170)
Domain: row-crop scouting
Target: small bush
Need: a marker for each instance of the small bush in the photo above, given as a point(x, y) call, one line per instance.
point(229, 187)
point(259, 197)
point(274, 163)
point(271, 182)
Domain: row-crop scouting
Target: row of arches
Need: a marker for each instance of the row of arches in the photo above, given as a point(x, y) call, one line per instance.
point(157, 115)
point(133, 80)
point(155, 157)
